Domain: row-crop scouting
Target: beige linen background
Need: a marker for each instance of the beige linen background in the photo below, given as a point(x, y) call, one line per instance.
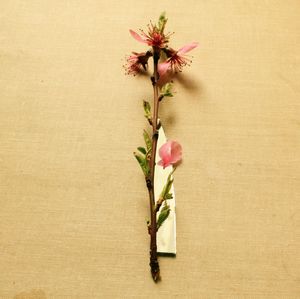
point(73, 200)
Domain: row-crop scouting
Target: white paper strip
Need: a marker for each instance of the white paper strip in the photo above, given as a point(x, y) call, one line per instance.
point(166, 235)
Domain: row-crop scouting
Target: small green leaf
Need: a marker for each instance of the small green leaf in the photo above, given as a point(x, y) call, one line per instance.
point(166, 90)
point(169, 196)
point(167, 188)
point(142, 150)
point(163, 215)
point(162, 22)
point(147, 108)
point(147, 111)
point(143, 163)
point(165, 193)
point(169, 185)
point(148, 141)
point(139, 158)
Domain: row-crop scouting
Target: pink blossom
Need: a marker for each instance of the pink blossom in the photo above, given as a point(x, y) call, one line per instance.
point(154, 37)
point(176, 59)
point(136, 62)
point(170, 153)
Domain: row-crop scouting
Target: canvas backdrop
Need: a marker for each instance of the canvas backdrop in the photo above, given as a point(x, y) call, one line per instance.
point(73, 199)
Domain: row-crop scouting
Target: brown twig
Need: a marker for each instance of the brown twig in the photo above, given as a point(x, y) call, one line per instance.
point(150, 181)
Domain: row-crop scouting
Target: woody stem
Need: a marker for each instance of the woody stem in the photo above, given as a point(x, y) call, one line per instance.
point(150, 183)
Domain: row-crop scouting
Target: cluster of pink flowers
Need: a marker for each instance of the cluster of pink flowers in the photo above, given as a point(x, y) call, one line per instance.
point(170, 62)
point(175, 59)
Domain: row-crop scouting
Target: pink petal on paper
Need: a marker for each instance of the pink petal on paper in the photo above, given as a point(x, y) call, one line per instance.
point(161, 163)
point(170, 153)
point(187, 48)
point(165, 150)
point(137, 36)
point(176, 152)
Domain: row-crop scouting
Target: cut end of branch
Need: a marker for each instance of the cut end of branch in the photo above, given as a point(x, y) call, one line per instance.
point(155, 271)
point(156, 277)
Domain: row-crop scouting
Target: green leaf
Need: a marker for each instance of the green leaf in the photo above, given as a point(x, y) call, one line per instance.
point(147, 109)
point(148, 141)
point(167, 188)
point(165, 193)
point(142, 150)
point(169, 196)
point(143, 163)
point(169, 185)
point(163, 215)
point(162, 22)
point(139, 159)
point(166, 90)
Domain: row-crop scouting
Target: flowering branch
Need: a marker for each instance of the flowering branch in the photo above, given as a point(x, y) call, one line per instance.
point(166, 63)
point(150, 180)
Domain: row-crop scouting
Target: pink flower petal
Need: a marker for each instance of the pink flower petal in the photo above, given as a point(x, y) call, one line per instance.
point(165, 150)
point(187, 48)
point(163, 68)
point(137, 37)
point(161, 163)
point(176, 152)
point(170, 153)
